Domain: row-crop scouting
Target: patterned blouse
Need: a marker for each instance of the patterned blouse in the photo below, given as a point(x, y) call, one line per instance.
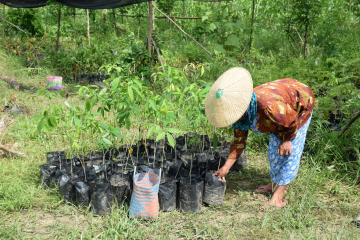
point(283, 106)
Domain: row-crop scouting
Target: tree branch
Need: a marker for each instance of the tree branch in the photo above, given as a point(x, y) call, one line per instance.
point(352, 120)
point(13, 25)
point(16, 85)
point(180, 28)
point(9, 152)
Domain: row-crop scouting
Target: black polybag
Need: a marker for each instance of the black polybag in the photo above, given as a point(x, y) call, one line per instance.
point(82, 193)
point(49, 172)
point(67, 188)
point(168, 186)
point(167, 195)
point(171, 169)
point(121, 187)
point(190, 194)
point(218, 159)
point(356, 222)
point(48, 175)
point(214, 190)
point(56, 158)
point(101, 198)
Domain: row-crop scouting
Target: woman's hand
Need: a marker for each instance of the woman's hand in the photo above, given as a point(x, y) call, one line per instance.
point(222, 172)
point(285, 148)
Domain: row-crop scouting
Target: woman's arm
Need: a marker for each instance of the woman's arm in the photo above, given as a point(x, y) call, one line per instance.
point(286, 120)
point(236, 148)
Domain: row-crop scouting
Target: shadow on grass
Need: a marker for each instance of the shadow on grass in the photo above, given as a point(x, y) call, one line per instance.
point(247, 180)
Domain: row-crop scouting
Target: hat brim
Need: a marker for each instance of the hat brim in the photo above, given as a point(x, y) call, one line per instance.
point(236, 88)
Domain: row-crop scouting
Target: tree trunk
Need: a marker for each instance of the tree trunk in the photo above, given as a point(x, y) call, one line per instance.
point(104, 15)
point(58, 29)
point(183, 8)
point(150, 27)
point(122, 12)
point(252, 23)
point(306, 35)
point(114, 19)
point(93, 15)
point(74, 14)
point(3, 22)
point(88, 25)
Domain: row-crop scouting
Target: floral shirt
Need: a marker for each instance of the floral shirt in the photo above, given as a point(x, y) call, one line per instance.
point(283, 106)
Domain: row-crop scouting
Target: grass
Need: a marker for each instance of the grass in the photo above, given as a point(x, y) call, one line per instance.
point(320, 205)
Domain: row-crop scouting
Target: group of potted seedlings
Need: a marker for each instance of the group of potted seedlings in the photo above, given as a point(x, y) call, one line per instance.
point(149, 176)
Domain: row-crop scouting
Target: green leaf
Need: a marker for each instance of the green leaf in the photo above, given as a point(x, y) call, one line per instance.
point(152, 104)
point(103, 126)
point(115, 83)
point(170, 139)
point(77, 121)
point(160, 136)
point(130, 93)
point(87, 105)
point(106, 141)
point(51, 121)
point(151, 130)
point(67, 104)
point(204, 18)
point(170, 117)
point(174, 130)
point(41, 125)
point(232, 41)
point(202, 71)
point(116, 132)
point(212, 27)
point(137, 87)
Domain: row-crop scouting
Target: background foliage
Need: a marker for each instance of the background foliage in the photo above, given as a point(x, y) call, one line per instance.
point(313, 41)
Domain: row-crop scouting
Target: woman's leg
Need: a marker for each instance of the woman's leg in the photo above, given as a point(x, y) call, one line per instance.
point(284, 169)
point(278, 197)
point(273, 144)
point(268, 188)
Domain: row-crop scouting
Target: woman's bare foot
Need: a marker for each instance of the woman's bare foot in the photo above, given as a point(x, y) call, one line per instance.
point(268, 188)
point(279, 203)
point(278, 198)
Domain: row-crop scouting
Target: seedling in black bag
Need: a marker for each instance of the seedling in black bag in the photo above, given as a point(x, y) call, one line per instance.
point(67, 188)
point(191, 185)
point(51, 172)
point(47, 173)
point(121, 187)
point(105, 175)
point(168, 186)
point(167, 195)
point(357, 222)
point(190, 194)
point(214, 190)
point(101, 198)
point(56, 158)
point(82, 193)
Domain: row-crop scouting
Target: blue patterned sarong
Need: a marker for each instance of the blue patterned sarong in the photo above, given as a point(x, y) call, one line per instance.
point(284, 169)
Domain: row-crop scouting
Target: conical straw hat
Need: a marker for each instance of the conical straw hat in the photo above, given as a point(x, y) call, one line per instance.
point(229, 97)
